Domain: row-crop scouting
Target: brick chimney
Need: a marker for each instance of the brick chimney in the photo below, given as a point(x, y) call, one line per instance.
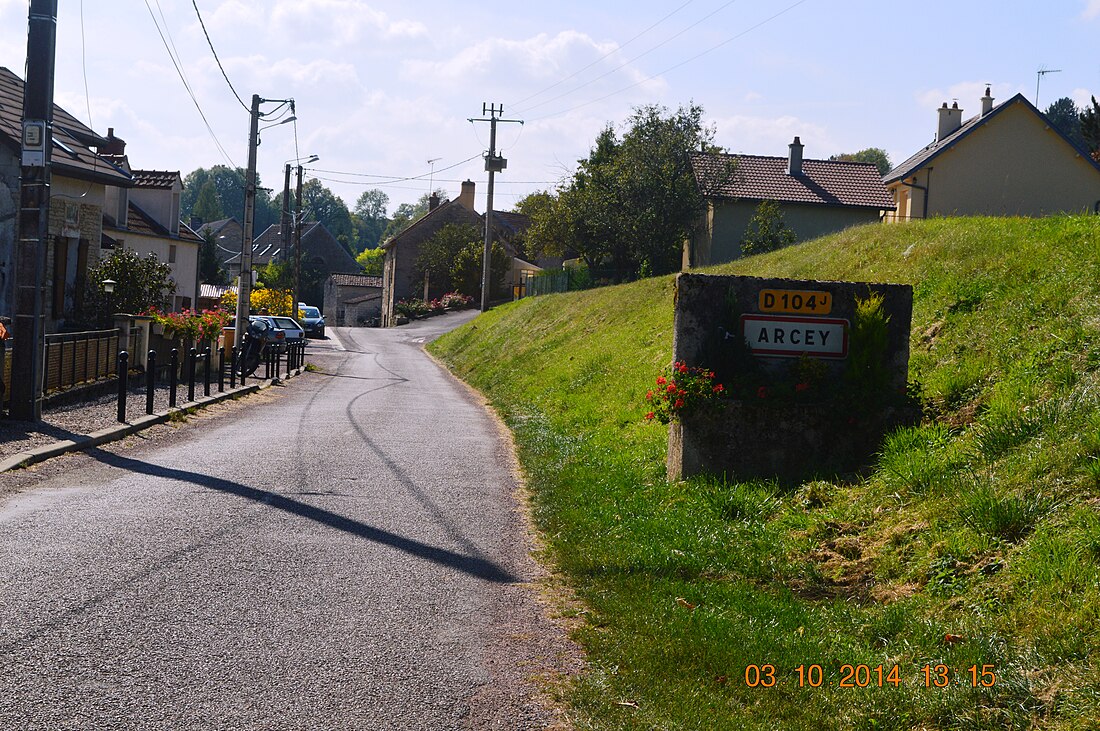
point(950, 120)
point(466, 197)
point(433, 202)
point(794, 159)
point(987, 102)
point(114, 145)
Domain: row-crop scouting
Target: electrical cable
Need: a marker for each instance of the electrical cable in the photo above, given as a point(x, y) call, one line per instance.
point(187, 87)
point(676, 66)
point(393, 178)
point(631, 60)
point(218, 60)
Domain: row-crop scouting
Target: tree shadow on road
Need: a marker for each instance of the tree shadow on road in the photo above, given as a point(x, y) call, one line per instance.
point(476, 566)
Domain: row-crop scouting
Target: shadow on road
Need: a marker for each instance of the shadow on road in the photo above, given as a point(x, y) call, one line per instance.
point(472, 565)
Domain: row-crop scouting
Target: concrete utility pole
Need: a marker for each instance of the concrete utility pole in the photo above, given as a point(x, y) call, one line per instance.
point(298, 220)
point(284, 222)
point(244, 282)
point(494, 163)
point(34, 212)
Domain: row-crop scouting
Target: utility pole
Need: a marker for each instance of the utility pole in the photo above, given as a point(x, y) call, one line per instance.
point(284, 221)
point(34, 212)
point(244, 282)
point(298, 220)
point(494, 163)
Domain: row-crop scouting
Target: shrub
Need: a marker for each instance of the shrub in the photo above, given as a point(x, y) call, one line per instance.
point(682, 388)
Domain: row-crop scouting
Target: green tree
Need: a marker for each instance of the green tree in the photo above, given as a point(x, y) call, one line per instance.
point(438, 254)
point(874, 155)
point(766, 230)
point(465, 274)
point(371, 260)
point(369, 218)
point(229, 186)
point(210, 268)
point(207, 206)
point(141, 283)
point(1066, 118)
point(1090, 128)
point(631, 204)
point(321, 204)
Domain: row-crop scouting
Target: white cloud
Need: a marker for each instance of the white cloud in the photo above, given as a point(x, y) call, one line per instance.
point(1082, 97)
point(1092, 10)
point(968, 94)
point(770, 135)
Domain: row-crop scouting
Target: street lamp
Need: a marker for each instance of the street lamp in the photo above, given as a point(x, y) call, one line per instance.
point(109, 285)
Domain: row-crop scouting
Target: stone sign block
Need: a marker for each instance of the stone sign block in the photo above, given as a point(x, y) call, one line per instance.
point(773, 330)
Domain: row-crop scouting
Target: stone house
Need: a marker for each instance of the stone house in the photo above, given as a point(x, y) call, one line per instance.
point(352, 299)
point(1009, 160)
point(322, 253)
point(816, 197)
point(80, 179)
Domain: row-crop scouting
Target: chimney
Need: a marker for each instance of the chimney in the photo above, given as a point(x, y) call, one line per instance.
point(433, 202)
point(114, 145)
point(987, 103)
point(950, 120)
point(466, 197)
point(794, 161)
point(195, 223)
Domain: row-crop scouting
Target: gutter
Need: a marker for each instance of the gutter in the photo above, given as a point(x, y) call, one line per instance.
point(924, 213)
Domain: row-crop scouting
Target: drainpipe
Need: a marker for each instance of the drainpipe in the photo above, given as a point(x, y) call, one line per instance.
point(924, 188)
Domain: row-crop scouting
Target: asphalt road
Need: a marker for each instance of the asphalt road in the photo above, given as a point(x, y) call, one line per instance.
point(347, 554)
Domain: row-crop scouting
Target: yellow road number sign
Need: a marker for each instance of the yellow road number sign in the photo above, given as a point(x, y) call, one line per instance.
point(796, 301)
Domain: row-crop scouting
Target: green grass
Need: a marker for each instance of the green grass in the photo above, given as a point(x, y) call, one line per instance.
point(982, 523)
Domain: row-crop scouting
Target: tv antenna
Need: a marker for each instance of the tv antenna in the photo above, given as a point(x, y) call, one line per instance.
point(431, 174)
point(1043, 71)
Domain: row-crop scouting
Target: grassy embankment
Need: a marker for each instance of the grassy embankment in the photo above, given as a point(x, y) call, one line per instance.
point(974, 540)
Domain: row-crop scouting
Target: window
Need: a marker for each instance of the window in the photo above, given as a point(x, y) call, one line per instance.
point(171, 253)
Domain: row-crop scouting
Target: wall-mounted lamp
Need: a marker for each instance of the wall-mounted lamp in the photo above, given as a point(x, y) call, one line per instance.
point(109, 285)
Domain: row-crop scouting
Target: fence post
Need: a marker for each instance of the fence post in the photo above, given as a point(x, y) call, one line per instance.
point(123, 374)
point(173, 378)
point(192, 354)
point(206, 371)
point(267, 362)
point(150, 379)
point(278, 362)
point(233, 368)
point(221, 369)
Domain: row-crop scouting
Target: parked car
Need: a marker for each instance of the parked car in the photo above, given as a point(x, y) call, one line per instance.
point(276, 336)
point(294, 332)
point(312, 320)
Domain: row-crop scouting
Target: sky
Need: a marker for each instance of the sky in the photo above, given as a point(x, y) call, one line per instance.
point(384, 91)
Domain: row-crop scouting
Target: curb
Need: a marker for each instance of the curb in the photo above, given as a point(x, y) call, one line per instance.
point(115, 433)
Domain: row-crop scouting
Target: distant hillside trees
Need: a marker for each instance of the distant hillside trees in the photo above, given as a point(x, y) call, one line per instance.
point(875, 155)
point(228, 185)
point(633, 201)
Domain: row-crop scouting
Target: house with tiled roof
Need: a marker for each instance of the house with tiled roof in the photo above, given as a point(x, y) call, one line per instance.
point(1009, 160)
point(352, 299)
point(79, 179)
point(816, 197)
point(322, 254)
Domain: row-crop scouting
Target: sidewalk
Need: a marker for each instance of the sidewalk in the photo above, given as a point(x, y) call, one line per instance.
point(87, 424)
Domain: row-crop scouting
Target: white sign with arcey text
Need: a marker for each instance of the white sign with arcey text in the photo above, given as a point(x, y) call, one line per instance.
point(791, 337)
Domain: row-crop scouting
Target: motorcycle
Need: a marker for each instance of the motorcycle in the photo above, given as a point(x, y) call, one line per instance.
point(256, 337)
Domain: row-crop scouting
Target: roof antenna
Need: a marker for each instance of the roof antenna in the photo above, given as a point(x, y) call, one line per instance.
point(1043, 71)
point(431, 175)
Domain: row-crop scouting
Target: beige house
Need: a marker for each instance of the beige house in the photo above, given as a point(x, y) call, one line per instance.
point(1007, 161)
point(816, 197)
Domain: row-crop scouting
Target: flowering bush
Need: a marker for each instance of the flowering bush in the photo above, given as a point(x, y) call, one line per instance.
point(456, 301)
point(412, 308)
point(682, 388)
point(275, 301)
point(436, 307)
point(191, 325)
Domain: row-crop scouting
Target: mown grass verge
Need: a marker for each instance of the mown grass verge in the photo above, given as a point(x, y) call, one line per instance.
point(972, 541)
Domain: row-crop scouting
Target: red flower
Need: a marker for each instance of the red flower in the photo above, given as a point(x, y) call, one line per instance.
point(661, 380)
point(719, 388)
point(671, 388)
point(800, 387)
point(649, 416)
point(762, 392)
point(678, 404)
point(648, 395)
point(681, 392)
point(682, 368)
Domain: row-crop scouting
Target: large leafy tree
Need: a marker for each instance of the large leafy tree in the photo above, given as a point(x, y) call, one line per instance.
point(207, 206)
point(437, 254)
point(634, 200)
point(409, 213)
point(369, 219)
point(371, 260)
point(875, 155)
point(229, 186)
point(140, 284)
point(1066, 118)
point(1090, 128)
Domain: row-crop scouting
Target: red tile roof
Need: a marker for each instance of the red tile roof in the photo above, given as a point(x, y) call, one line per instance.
point(823, 182)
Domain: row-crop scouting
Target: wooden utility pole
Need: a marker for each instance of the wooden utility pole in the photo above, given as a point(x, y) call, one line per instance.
point(494, 163)
point(244, 282)
point(34, 213)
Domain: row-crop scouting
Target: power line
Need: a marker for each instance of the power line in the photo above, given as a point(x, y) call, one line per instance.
point(632, 60)
point(676, 66)
point(218, 60)
point(393, 178)
point(187, 86)
point(601, 58)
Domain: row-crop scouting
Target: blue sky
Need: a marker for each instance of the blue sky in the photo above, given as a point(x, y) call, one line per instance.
point(383, 87)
